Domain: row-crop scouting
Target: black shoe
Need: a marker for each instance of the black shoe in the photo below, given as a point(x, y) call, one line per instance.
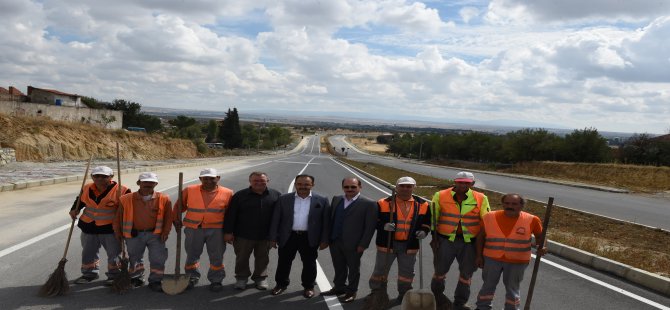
point(461, 307)
point(216, 287)
point(191, 283)
point(156, 287)
point(86, 279)
point(136, 282)
point(308, 293)
point(278, 290)
point(333, 292)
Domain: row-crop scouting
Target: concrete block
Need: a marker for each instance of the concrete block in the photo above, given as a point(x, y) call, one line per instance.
point(71, 178)
point(6, 187)
point(20, 185)
point(33, 183)
point(577, 255)
point(46, 182)
point(650, 280)
point(610, 266)
point(59, 180)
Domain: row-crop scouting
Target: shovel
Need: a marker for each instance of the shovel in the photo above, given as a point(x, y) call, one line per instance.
point(421, 299)
point(177, 283)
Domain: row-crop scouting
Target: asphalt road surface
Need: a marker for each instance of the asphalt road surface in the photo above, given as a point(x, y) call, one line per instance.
point(650, 211)
point(34, 225)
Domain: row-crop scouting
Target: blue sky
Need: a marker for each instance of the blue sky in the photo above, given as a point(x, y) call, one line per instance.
point(571, 63)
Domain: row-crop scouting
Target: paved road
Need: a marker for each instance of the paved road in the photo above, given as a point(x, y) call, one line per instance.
point(24, 267)
point(629, 207)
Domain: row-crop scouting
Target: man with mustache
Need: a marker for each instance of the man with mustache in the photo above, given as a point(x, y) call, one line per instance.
point(503, 246)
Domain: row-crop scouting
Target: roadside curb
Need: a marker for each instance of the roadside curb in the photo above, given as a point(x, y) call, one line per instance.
point(635, 275)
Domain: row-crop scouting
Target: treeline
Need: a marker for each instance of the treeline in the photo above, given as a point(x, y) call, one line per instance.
point(229, 132)
point(584, 145)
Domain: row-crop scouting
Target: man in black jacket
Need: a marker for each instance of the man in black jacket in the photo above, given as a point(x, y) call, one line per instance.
point(246, 226)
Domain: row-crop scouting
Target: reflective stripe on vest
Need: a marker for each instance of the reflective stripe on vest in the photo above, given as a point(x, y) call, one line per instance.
point(448, 215)
point(514, 246)
point(102, 213)
point(206, 217)
point(403, 221)
point(127, 220)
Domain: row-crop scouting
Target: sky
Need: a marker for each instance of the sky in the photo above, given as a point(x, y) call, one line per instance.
point(601, 64)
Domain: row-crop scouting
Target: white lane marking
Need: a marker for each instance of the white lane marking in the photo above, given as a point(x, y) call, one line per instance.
point(321, 279)
point(574, 272)
point(606, 285)
point(30, 241)
point(361, 178)
point(52, 232)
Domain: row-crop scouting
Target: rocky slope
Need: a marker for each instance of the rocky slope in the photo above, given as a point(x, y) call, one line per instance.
point(40, 139)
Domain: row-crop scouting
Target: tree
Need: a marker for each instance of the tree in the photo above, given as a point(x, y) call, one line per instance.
point(585, 145)
point(230, 132)
point(530, 144)
point(182, 121)
point(212, 131)
point(132, 117)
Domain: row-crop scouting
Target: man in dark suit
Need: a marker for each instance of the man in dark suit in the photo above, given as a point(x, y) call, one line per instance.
point(358, 215)
point(299, 225)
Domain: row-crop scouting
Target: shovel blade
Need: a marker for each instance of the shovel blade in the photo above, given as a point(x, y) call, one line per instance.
point(418, 300)
point(174, 284)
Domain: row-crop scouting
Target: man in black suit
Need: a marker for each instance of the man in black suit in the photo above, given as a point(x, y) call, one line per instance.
point(358, 215)
point(299, 225)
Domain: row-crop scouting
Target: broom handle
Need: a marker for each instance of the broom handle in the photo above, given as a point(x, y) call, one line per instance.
point(81, 191)
point(536, 266)
point(179, 195)
point(390, 235)
point(118, 194)
point(420, 264)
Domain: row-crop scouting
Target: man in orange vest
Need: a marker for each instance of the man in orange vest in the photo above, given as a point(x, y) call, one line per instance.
point(144, 220)
point(457, 214)
point(99, 202)
point(503, 246)
point(205, 206)
point(409, 224)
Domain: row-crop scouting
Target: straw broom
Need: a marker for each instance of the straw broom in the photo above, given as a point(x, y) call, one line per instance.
point(57, 284)
point(121, 283)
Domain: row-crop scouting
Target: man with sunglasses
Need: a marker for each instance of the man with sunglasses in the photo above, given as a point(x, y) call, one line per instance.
point(353, 219)
point(205, 205)
point(99, 201)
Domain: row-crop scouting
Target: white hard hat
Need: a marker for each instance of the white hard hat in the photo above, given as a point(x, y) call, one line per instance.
point(148, 177)
point(209, 172)
point(102, 170)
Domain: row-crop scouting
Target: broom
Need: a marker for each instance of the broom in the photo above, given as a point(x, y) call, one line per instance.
point(57, 284)
point(121, 283)
point(379, 299)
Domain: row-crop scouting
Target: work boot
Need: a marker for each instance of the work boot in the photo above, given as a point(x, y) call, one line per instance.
point(156, 287)
point(461, 307)
point(86, 279)
point(191, 283)
point(137, 282)
point(216, 287)
point(241, 284)
point(442, 302)
point(261, 285)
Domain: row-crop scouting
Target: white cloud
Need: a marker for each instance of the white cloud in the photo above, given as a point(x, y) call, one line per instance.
point(387, 58)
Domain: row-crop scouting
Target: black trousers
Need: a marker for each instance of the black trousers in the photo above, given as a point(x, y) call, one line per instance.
point(297, 243)
point(347, 265)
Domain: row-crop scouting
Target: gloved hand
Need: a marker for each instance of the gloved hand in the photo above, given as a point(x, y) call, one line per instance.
point(420, 234)
point(389, 226)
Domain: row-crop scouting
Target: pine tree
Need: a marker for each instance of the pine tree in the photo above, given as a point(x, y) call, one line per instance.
point(230, 132)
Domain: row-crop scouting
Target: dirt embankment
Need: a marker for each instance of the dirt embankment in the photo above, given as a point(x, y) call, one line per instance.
point(39, 139)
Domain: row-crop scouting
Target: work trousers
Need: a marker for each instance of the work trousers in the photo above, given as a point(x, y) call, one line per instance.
point(297, 243)
point(91, 243)
point(383, 263)
point(464, 253)
point(158, 254)
point(347, 264)
point(196, 239)
point(512, 276)
point(243, 249)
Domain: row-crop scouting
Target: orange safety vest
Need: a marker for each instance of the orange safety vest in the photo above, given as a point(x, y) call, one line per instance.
point(516, 245)
point(127, 225)
point(403, 221)
point(450, 216)
point(210, 216)
point(102, 213)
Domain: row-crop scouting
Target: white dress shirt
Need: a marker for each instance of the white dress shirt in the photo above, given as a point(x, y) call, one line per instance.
point(301, 212)
point(347, 202)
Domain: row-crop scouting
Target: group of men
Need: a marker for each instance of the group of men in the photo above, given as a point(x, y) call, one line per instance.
point(256, 219)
